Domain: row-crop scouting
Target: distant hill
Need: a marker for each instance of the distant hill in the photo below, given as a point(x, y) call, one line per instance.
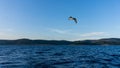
point(34, 42)
point(105, 41)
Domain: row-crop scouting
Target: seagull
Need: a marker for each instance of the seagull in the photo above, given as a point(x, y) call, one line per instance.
point(72, 18)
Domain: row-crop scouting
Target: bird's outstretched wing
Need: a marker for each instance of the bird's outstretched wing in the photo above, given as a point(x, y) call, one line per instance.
point(75, 20)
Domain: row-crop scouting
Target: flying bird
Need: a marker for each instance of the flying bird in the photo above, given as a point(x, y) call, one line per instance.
point(72, 18)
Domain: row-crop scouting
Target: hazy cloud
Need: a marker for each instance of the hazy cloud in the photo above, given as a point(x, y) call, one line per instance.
point(72, 35)
point(94, 34)
point(60, 31)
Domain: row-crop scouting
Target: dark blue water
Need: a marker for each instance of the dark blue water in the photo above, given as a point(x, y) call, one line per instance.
point(63, 56)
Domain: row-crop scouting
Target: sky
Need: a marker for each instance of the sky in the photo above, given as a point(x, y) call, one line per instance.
point(48, 19)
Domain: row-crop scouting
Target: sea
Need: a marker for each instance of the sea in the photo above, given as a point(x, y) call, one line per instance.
point(59, 56)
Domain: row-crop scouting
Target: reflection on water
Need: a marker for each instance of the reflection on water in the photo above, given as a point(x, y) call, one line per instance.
point(59, 56)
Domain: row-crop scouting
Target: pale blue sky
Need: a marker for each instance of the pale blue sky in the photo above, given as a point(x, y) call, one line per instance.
point(48, 19)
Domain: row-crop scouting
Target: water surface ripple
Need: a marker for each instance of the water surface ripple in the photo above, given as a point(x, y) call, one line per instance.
point(64, 56)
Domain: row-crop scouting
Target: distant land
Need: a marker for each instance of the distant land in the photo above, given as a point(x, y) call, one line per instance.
point(105, 41)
